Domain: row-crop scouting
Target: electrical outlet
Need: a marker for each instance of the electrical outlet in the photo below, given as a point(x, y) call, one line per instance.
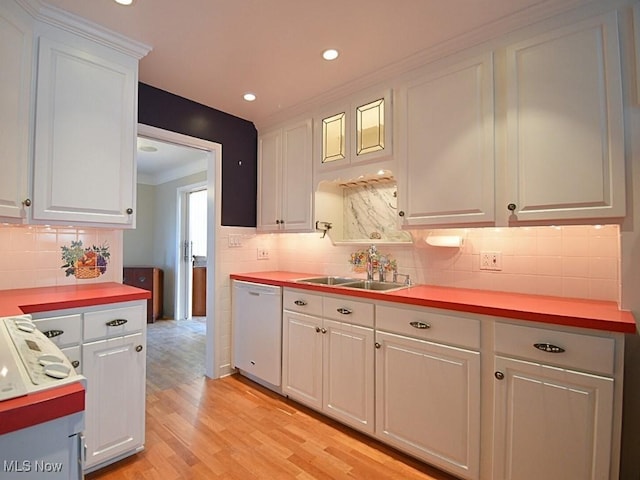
point(490, 260)
point(263, 253)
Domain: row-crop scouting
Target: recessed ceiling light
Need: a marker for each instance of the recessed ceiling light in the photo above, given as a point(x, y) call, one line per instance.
point(124, 2)
point(249, 97)
point(330, 54)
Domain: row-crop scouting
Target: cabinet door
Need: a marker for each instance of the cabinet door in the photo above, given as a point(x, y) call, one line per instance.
point(269, 181)
point(551, 423)
point(565, 124)
point(115, 407)
point(447, 169)
point(296, 176)
point(15, 101)
point(302, 358)
point(348, 385)
point(428, 402)
point(85, 135)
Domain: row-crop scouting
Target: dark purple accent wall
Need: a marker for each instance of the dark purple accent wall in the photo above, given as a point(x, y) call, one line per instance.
point(239, 139)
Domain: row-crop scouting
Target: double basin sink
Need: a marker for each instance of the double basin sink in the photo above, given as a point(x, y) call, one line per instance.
point(355, 283)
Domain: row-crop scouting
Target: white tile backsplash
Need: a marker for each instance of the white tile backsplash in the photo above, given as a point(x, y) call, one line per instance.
point(31, 256)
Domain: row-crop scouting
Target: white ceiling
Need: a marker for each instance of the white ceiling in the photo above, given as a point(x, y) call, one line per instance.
point(213, 51)
point(168, 162)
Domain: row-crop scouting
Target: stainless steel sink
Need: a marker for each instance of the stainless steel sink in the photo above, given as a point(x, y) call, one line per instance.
point(356, 283)
point(377, 286)
point(328, 280)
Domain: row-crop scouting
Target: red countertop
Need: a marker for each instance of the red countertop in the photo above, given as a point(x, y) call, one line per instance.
point(571, 312)
point(45, 299)
point(40, 407)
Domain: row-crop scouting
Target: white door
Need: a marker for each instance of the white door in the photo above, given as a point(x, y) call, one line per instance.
point(550, 423)
point(348, 374)
point(115, 371)
point(302, 358)
point(192, 217)
point(428, 401)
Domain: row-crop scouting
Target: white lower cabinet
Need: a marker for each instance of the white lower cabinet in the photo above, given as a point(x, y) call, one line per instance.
point(107, 344)
point(328, 364)
point(551, 422)
point(115, 369)
point(545, 402)
point(428, 393)
point(554, 405)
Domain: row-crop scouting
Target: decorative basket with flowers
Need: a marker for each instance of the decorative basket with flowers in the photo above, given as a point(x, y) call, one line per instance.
point(85, 262)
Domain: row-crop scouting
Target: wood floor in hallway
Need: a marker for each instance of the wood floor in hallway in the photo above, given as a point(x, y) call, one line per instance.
point(232, 428)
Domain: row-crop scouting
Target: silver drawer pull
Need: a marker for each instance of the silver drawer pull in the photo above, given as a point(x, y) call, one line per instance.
point(420, 325)
point(53, 333)
point(255, 294)
point(300, 303)
point(344, 311)
point(548, 347)
point(117, 322)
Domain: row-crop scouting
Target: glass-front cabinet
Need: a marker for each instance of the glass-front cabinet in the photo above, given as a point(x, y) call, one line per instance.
point(358, 132)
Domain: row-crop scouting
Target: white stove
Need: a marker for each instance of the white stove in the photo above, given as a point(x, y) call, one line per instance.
point(29, 361)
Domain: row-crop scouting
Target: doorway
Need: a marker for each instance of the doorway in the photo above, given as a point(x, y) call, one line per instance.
point(191, 265)
point(213, 203)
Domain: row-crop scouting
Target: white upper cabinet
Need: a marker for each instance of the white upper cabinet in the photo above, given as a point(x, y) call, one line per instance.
point(565, 143)
point(285, 178)
point(357, 132)
point(67, 147)
point(446, 172)
point(16, 45)
point(85, 137)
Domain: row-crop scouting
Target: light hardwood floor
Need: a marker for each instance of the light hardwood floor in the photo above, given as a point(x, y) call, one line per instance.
point(231, 428)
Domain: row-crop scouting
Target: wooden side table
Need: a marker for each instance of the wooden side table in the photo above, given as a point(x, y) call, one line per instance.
point(148, 278)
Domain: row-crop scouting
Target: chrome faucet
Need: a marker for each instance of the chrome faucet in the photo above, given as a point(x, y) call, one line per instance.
point(372, 253)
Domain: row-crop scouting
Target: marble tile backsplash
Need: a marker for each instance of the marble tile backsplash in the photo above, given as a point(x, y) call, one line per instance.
point(31, 256)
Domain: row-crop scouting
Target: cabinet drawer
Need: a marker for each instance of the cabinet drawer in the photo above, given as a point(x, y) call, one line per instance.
point(63, 331)
point(343, 309)
point(581, 352)
point(124, 320)
point(429, 324)
point(74, 356)
point(302, 301)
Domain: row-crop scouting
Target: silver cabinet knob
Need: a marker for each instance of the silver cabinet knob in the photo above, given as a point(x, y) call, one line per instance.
point(129, 211)
point(75, 363)
point(27, 202)
point(317, 329)
point(377, 345)
point(512, 207)
point(139, 348)
point(499, 375)
point(324, 330)
point(401, 213)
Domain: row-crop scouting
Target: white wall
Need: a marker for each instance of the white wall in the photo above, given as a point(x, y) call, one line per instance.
point(138, 244)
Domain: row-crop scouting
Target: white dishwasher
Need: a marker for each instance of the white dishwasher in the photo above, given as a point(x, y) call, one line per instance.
point(257, 332)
